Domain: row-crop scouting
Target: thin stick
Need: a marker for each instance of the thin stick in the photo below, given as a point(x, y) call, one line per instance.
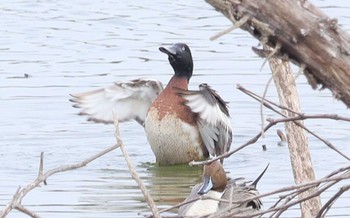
point(272, 53)
point(233, 27)
point(330, 202)
point(262, 108)
point(133, 173)
point(26, 211)
point(257, 97)
point(267, 102)
point(268, 126)
point(283, 207)
point(300, 116)
point(279, 209)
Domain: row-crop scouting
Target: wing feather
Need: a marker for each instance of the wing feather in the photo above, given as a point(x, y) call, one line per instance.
point(127, 100)
point(214, 119)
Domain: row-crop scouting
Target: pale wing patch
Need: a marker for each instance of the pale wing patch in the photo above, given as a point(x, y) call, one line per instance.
point(214, 123)
point(127, 101)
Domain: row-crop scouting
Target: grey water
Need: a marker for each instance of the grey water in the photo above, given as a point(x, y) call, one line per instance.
point(49, 49)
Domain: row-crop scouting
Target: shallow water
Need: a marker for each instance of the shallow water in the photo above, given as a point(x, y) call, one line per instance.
point(72, 46)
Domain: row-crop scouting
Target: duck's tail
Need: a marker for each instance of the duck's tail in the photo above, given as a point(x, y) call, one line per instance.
point(255, 183)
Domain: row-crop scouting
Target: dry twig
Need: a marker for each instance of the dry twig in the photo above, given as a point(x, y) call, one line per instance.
point(237, 25)
point(300, 116)
point(133, 172)
point(330, 202)
point(16, 202)
point(291, 192)
point(269, 105)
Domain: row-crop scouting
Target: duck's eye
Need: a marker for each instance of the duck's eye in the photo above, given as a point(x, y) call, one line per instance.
point(183, 48)
point(253, 205)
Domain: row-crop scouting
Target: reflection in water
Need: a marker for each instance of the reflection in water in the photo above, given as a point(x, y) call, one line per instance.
point(168, 185)
point(171, 184)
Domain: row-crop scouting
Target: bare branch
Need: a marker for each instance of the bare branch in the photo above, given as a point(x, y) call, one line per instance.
point(330, 202)
point(300, 116)
point(271, 54)
point(291, 192)
point(299, 188)
point(133, 173)
point(22, 192)
point(237, 25)
point(262, 108)
point(26, 211)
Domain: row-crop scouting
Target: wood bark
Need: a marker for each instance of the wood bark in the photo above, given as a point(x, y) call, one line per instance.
point(303, 34)
point(296, 137)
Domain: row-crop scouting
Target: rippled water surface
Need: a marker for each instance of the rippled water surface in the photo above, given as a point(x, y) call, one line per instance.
point(50, 49)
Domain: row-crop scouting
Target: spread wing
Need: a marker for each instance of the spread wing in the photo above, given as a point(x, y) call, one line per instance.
point(129, 100)
point(214, 119)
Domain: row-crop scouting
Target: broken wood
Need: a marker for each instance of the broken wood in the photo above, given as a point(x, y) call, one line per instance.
point(307, 37)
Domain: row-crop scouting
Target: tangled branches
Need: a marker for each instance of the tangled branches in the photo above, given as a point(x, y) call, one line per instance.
point(287, 196)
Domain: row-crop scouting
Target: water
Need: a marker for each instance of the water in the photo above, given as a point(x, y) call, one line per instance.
point(72, 46)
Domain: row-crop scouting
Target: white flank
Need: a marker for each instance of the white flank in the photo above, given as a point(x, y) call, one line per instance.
point(205, 207)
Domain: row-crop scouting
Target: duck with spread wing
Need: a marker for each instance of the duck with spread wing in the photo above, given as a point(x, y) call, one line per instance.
point(180, 125)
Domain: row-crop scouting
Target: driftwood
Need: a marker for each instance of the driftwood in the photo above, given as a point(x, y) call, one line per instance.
point(300, 32)
point(297, 140)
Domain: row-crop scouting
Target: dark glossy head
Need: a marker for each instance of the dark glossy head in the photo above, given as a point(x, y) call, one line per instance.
point(180, 58)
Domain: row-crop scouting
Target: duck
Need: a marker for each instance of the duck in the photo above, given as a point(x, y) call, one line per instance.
point(216, 185)
point(181, 125)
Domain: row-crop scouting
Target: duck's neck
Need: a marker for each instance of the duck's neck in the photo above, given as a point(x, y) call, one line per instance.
point(186, 73)
point(178, 82)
